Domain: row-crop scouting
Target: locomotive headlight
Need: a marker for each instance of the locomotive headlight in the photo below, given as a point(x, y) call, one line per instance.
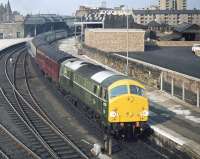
point(113, 114)
point(145, 113)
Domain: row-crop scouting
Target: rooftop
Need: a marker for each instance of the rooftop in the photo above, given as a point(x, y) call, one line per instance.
point(166, 11)
point(179, 59)
point(116, 30)
point(43, 18)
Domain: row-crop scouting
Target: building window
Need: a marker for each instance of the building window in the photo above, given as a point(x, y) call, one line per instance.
point(1, 35)
point(18, 34)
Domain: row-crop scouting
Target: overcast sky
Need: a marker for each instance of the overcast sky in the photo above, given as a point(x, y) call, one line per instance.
point(68, 7)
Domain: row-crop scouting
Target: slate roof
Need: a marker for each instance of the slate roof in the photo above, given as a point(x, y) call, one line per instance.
point(153, 24)
point(179, 59)
point(186, 26)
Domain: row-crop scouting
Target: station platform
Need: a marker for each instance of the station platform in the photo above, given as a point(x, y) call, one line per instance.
point(169, 116)
point(5, 43)
point(174, 119)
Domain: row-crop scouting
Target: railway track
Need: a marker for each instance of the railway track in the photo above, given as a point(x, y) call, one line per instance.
point(45, 138)
point(127, 150)
point(48, 140)
point(16, 148)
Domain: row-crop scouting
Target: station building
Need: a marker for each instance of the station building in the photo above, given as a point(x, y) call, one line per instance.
point(115, 40)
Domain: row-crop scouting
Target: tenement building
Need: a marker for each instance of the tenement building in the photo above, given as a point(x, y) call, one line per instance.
point(172, 4)
point(171, 17)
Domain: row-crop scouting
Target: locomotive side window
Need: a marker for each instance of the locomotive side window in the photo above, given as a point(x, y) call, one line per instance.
point(117, 91)
point(136, 90)
point(100, 92)
point(104, 94)
point(95, 89)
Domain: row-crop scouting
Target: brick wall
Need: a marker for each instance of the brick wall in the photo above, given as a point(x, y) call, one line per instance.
point(115, 40)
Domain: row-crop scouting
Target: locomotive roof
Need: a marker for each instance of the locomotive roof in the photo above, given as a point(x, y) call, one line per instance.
point(56, 55)
point(100, 75)
point(89, 70)
point(97, 73)
point(75, 64)
point(107, 82)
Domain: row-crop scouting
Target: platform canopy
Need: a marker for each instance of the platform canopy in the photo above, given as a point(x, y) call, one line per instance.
point(42, 19)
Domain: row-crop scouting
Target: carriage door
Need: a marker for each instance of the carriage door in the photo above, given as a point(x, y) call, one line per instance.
point(104, 103)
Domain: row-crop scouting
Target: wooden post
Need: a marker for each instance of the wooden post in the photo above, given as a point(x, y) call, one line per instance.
point(105, 142)
point(172, 87)
point(110, 145)
point(35, 31)
point(161, 81)
point(183, 91)
point(198, 97)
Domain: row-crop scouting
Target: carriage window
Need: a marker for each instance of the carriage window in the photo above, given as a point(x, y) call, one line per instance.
point(118, 91)
point(136, 90)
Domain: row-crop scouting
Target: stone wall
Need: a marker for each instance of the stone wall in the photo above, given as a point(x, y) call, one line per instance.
point(142, 73)
point(177, 43)
point(115, 40)
point(12, 30)
point(149, 74)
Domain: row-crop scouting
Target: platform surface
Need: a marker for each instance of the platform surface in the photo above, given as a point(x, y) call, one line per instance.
point(179, 59)
point(4, 43)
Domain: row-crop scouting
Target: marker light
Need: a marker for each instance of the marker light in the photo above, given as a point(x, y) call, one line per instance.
point(113, 114)
point(145, 113)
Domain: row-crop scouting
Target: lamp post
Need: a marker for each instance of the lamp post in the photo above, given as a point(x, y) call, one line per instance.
point(127, 42)
point(82, 27)
point(75, 26)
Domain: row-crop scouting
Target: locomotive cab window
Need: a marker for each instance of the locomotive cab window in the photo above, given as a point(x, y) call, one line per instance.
point(136, 90)
point(117, 91)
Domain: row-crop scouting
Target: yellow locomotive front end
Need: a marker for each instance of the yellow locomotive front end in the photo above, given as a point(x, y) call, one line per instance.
point(127, 104)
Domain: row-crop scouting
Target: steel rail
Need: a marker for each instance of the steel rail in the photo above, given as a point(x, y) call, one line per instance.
point(2, 154)
point(50, 122)
point(25, 121)
point(56, 130)
point(19, 142)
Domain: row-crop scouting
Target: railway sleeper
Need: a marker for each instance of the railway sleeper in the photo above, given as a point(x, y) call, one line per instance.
point(58, 144)
point(73, 156)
